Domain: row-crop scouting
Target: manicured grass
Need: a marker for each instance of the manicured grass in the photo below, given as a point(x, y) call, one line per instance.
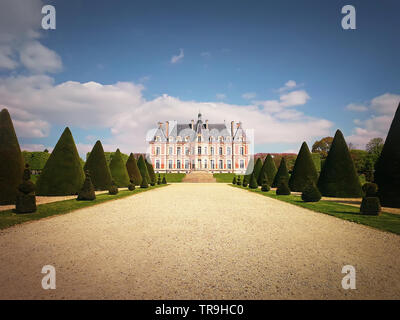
point(225, 177)
point(9, 218)
point(172, 177)
point(385, 221)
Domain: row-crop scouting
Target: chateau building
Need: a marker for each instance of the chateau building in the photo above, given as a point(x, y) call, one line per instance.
point(215, 148)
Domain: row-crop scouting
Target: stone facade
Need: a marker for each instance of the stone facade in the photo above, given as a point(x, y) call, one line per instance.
point(199, 146)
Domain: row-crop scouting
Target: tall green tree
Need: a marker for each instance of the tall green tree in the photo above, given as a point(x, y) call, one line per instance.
point(303, 171)
point(269, 169)
point(11, 161)
point(63, 173)
point(152, 175)
point(133, 170)
point(387, 169)
point(143, 168)
point(322, 146)
point(99, 171)
point(282, 174)
point(257, 169)
point(118, 170)
point(338, 177)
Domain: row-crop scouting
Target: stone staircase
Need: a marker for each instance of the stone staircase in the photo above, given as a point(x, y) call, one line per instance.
point(199, 177)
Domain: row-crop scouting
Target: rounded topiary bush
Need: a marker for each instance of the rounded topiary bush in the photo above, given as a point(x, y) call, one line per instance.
point(131, 186)
point(370, 206)
point(234, 181)
point(159, 179)
point(239, 182)
point(370, 189)
point(283, 188)
point(265, 187)
point(311, 193)
point(113, 189)
point(87, 190)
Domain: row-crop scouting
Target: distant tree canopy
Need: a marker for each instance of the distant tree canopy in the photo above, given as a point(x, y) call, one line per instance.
point(375, 146)
point(322, 146)
point(36, 159)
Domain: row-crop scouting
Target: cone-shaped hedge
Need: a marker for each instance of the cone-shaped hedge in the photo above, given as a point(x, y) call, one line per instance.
point(11, 161)
point(311, 193)
point(164, 180)
point(99, 171)
point(133, 170)
point(282, 174)
point(118, 170)
point(387, 169)
point(338, 177)
point(87, 192)
point(234, 181)
point(257, 169)
point(144, 183)
point(63, 173)
point(143, 168)
point(245, 182)
point(263, 178)
point(269, 168)
point(253, 182)
point(152, 175)
point(283, 188)
point(304, 170)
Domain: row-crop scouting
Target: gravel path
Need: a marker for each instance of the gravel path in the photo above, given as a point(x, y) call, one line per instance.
point(198, 241)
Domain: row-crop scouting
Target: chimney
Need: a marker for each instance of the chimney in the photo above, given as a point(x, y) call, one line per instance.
point(232, 124)
point(167, 128)
point(206, 124)
point(192, 124)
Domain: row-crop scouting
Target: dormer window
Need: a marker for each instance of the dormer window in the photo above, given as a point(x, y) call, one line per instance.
point(199, 139)
point(157, 138)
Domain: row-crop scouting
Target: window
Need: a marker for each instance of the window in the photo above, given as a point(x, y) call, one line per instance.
point(228, 139)
point(178, 164)
point(205, 163)
point(199, 139)
point(220, 151)
point(228, 151)
point(171, 139)
point(241, 164)
point(212, 164)
point(171, 150)
point(241, 150)
point(212, 151)
point(178, 138)
point(169, 164)
point(199, 163)
point(187, 151)
point(157, 164)
point(198, 150)
point(186, 164)
point(157, 150)
point(178, 151)
point(187, 138)
point(158, 138)
point(210, 139)
point(193, 164)
point(228, 164)
point(221, 164)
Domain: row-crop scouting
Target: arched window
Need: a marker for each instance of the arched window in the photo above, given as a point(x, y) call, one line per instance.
point(199, 139)
point(220, 151)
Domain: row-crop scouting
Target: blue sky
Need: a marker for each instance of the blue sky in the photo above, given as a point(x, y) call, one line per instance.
point(235, 55)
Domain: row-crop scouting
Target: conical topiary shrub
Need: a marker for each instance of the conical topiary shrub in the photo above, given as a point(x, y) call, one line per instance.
point(304, 170)
point(257, 169)
point(164, 180)
point(96, 164)
point(26, 199)
point(11, 161)
point(63, 173)
point(133, 170)
point(269, 169)
point(245, 182)
point(311, 193)
point(87, 192)
point(370, 189)
point(143, 168)
point(159, 179)
point(265, 185)
point(253, 182)
point(144, 183)
point(264, 178)
point(118, 170)
point(113, 189)
point(338, 177)
point(234, 181)
point(152, 175)
point(282, 174)
point(283, 188)
point(239, 182)
point(387, 169)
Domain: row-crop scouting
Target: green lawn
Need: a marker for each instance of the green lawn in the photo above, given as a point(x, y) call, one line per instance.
point(385, 221)
point(225, 177)
point(9, 218)
point(172, 177)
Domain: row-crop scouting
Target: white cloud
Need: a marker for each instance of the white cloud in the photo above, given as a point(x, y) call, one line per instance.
point(356, 107)
point(176, 58)
point(35, 147)
point(291, 99)
point(290, 85)
point(249, 95)
point(205, 54)
point(378, 124)
point(6, 59)
point(38, 58)
point(121, 108)
point(220, 96)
